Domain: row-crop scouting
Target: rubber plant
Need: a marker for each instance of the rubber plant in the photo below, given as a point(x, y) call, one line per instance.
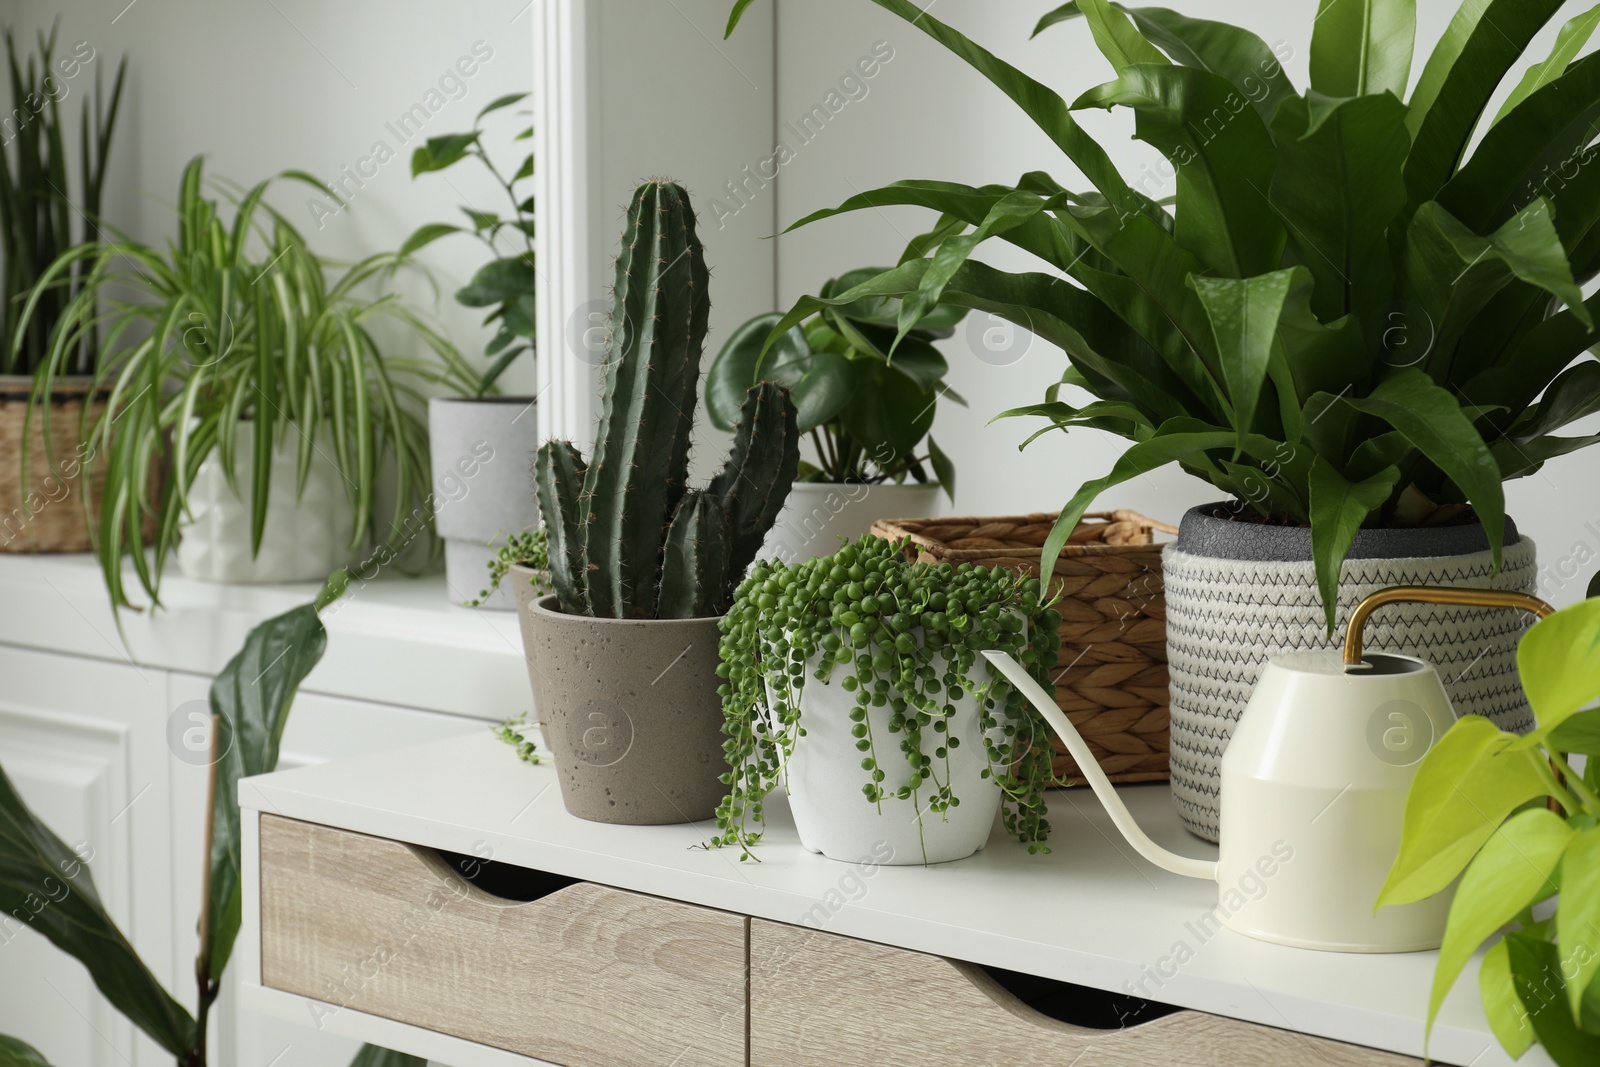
point(1511, 817)
point(506, 283)
point(868, 414)
point(1345, 318)
point(627, 538)
point(896, 634)
point(47, 887)
point(236, 327)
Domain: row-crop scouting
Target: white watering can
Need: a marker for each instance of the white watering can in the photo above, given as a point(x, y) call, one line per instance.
point(1314, 785)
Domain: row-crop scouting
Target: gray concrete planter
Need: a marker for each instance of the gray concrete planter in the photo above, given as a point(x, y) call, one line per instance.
point(482, 452)
point(630, 713)
point(1240, 593)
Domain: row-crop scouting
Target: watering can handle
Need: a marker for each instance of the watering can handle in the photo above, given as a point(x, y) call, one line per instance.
point(1090, 769)
point(1433, 594)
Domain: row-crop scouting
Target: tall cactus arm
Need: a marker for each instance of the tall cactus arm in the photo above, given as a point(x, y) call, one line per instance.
point(695, 581)
point(636, 478)
point(760, 471)
point(558, 473)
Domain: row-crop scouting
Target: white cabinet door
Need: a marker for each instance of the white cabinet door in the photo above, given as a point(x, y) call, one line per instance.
point(84, 742)
point(320, 728)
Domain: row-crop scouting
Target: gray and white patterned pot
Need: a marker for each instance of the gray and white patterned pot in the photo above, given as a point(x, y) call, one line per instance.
point(1240, 593)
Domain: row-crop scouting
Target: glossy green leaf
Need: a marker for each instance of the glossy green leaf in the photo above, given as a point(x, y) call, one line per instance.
point(825, 384)
point(1240, 57)
point(1244, 315)
point(1507, 1018)
point(888, 412)
point(498, 281)
point(373, 1056)
point(1338, 511)
point(1559, 663)
point(14, 1053)
point(501, 102)
point(1574, 34)
point(1224, 159)
point(1469, 781)
point(426, 235)
point(734, 16)
point(1116, 37)
point(740, 364)
point(1355, 144)
point(253, 695)
point(1514, 868)
point(1536, 972)
point(46, 886)
point(441, 152)
point(1578, 917)
point(1362, 47)
point(943, 469)
point(1574, 395)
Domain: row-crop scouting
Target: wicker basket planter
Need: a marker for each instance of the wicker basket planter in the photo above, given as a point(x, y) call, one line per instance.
point(1112, 681)
point(45, 513)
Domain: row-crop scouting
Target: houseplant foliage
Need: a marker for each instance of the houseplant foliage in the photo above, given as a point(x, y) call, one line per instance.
point(40, 218)
point(236, 327)
point(892, 633)
point(506, 283)
point(1347, 320)
point(627, 538)
point(868, 414)
point(1477, 809)
point(43, 879)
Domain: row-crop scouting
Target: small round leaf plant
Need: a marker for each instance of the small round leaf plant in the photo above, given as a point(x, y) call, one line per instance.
point(895, 634)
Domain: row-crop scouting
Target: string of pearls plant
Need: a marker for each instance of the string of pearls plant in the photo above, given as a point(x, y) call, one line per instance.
point(897, 634)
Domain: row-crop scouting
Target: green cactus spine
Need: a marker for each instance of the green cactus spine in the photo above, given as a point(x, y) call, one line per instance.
point(628, 539)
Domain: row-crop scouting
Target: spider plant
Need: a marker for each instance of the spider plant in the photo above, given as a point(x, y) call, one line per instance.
point(238, 327)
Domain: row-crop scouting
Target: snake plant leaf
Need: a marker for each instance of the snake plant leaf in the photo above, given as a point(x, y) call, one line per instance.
point(1501, 1004)
point(1244, 315)
point(1574, 34)
point(1465, 786)
point(1534, 963)
point(1116, 37)
point(1517, 864)
point(1578, 916)
point(1343, 143)
point(14, 1053)
point(1339, 508)
point(47, 886)
point(1559, 663)
point(1432, 419)
point(253, 695)
point(1482, 41)
point(1363, 47)
point(373, 1056)
point(1224, 158)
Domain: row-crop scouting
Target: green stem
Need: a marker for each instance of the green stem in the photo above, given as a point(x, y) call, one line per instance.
point(1575, 780)
point(1556, 789)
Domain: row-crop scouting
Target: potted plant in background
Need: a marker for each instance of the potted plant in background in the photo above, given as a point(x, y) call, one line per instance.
point(260, 383)
point(492, 437)
point(1468, 814)
point(868, 413)
point(835, 663)
point(49, 489)
point(623, 658)
point(1346, 325)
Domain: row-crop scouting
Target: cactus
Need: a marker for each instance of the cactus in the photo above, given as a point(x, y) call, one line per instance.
point(629, 539)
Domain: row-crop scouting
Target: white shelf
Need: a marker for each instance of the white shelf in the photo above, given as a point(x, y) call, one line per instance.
point(1091, 912)
point(393, 640)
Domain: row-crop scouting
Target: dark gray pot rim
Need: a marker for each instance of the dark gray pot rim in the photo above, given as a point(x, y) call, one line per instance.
point(1203, 534)
point(482, 399)
point(547, 606)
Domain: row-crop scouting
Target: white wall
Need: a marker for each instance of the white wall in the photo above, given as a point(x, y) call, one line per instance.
point(928, 115)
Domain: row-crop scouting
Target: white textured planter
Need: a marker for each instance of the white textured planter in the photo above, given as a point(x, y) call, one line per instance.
point(482, 453)
point(819, 515)
point(1239, 594)
point(824, 779)
point(306, 538)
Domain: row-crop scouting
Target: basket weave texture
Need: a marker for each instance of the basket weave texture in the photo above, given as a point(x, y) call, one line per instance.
point(46, 513)
point(1111, 679)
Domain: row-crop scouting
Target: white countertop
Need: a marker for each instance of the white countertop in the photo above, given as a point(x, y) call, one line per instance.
point(393, 640)
point(1091, 912)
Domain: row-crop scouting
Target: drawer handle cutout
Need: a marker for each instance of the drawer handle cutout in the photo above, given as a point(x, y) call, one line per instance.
point(504, 882)
point(1094, 1009)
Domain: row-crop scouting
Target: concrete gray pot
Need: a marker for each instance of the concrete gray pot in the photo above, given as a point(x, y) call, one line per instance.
point(630, 713)
point(482, 452)
point(1239, 593)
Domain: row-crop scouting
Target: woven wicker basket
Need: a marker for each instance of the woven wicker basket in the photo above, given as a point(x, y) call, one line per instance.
point(1112, 677)
point(46, 514)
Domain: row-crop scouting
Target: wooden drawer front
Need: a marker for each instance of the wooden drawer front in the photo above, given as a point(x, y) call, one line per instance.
point(824, 1000)
point(587, 976)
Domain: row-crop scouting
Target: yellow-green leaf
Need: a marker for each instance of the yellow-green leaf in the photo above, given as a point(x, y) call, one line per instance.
point(1507, 1017)
point(1117, 37)
point(1511, 872)
point(1559, 661)
point(1578, 916)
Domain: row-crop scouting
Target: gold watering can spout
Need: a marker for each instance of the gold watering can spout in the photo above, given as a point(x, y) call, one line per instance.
point(1433, 594)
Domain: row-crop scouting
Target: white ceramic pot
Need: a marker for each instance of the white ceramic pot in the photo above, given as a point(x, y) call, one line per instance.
point(824, 779)
point(482, 452)
point(819, 515)
point(306, 538)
